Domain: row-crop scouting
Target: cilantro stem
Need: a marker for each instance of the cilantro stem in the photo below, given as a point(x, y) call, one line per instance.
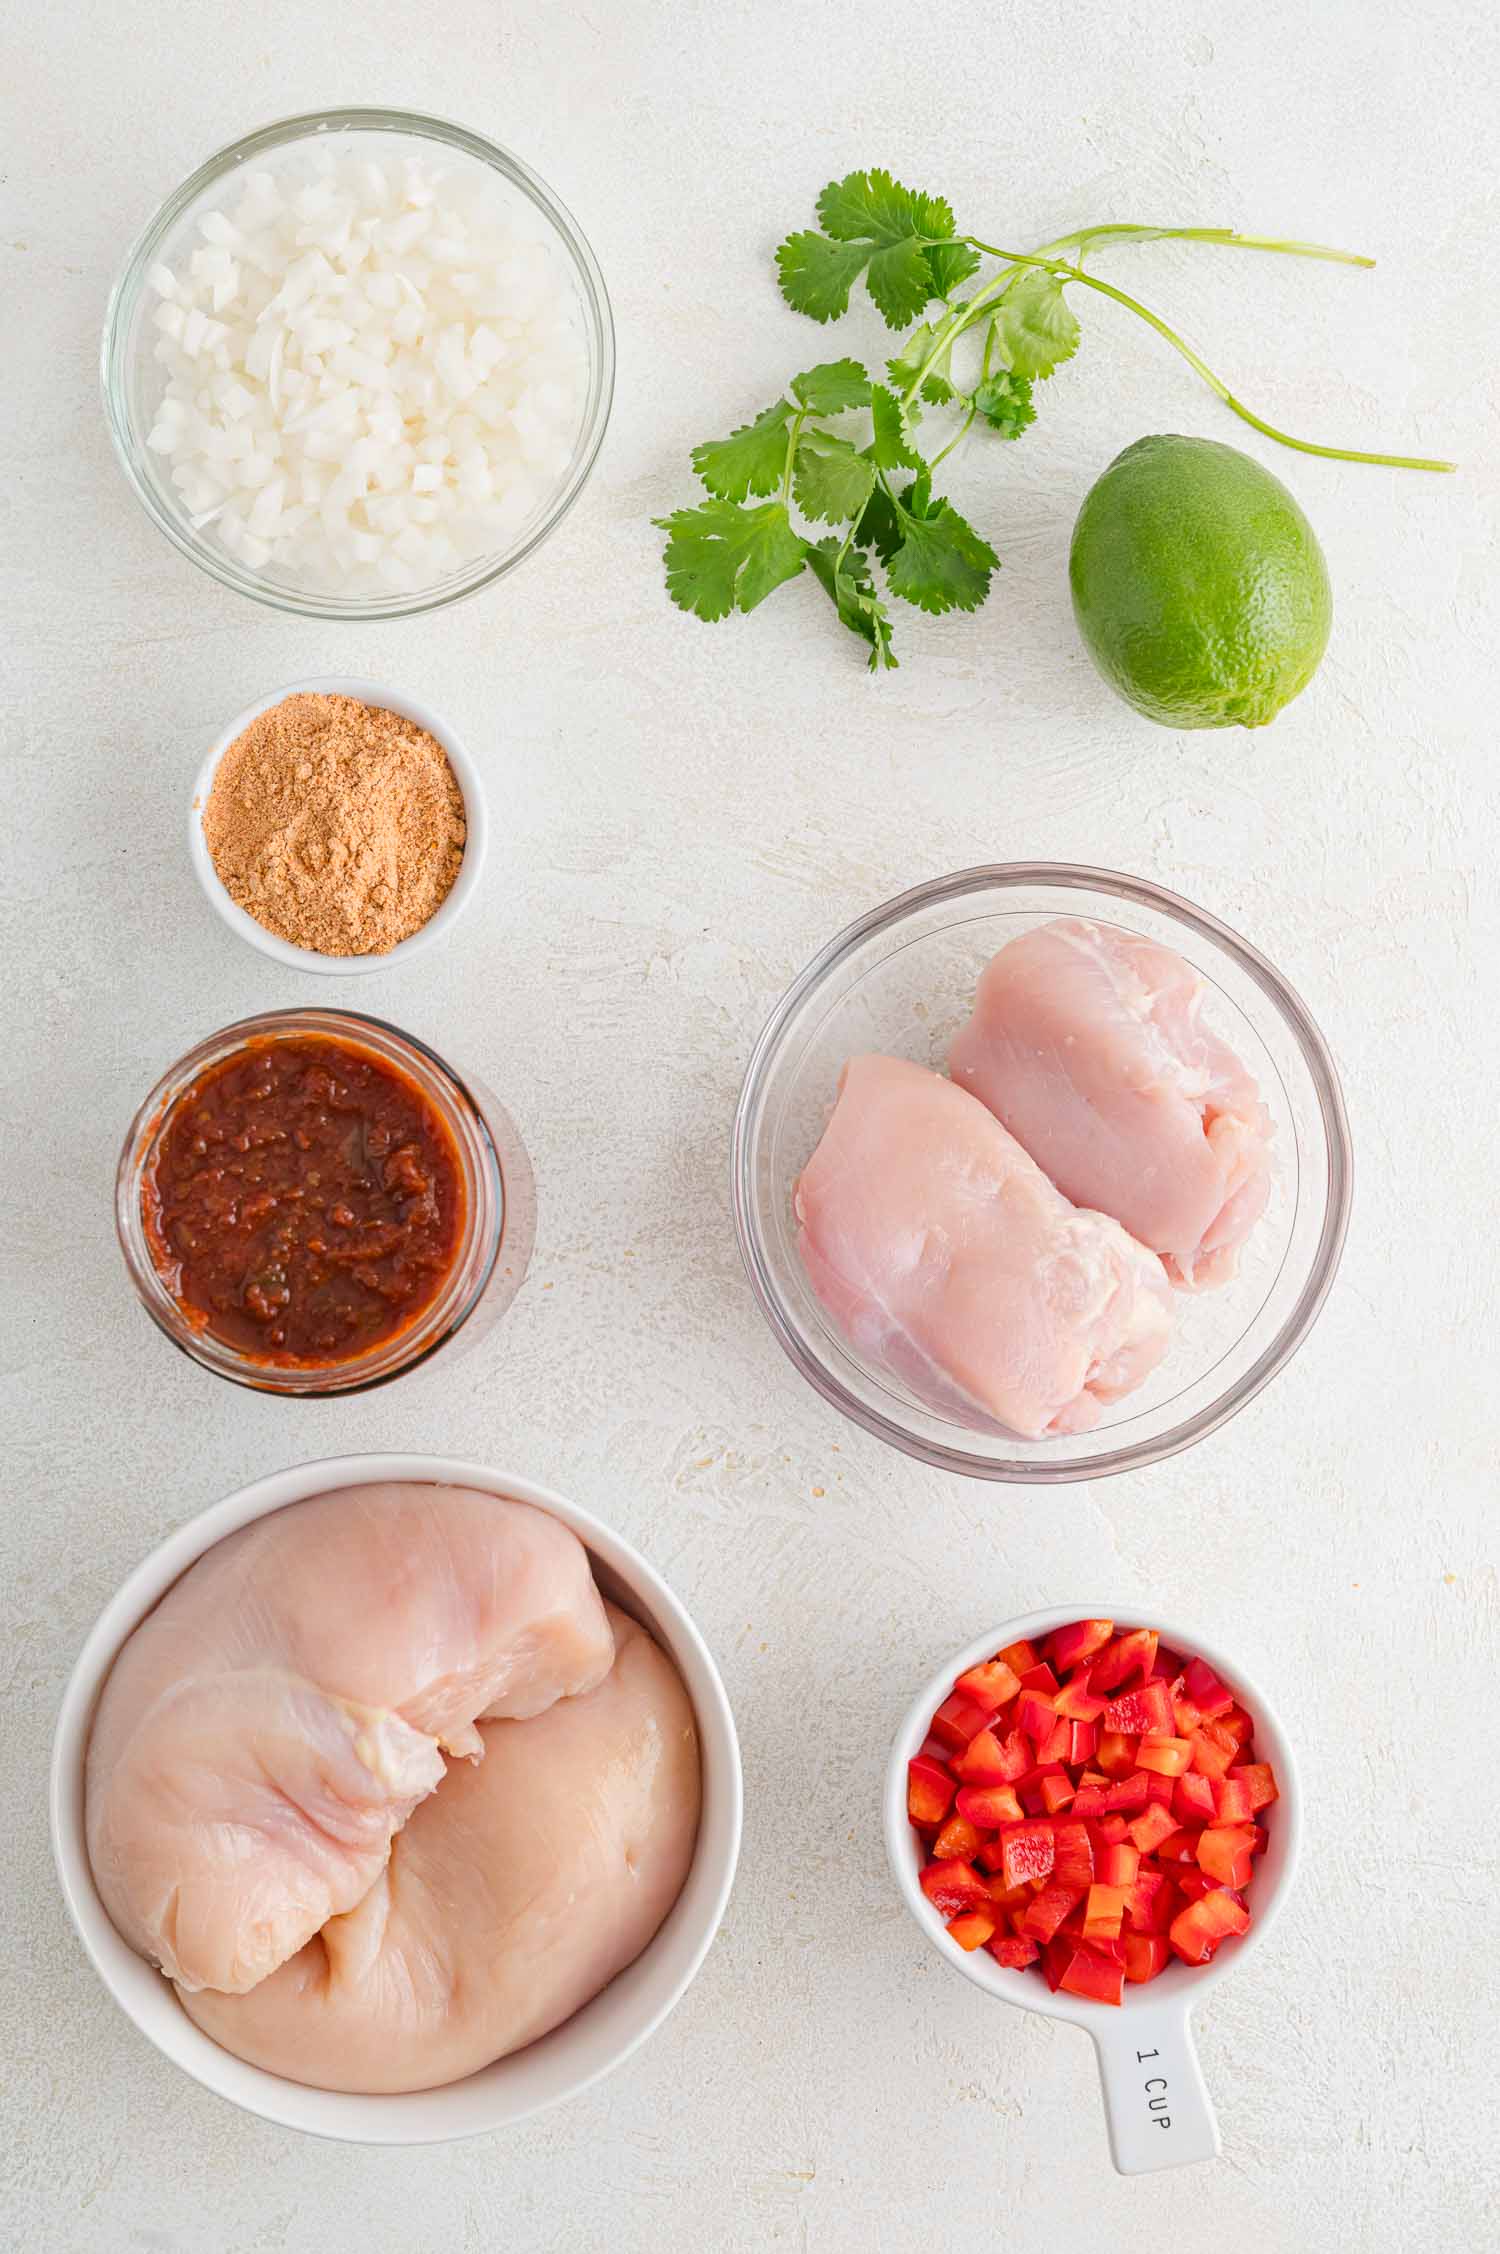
point(794, 433)
point(1083, 237)
point(1068, 273)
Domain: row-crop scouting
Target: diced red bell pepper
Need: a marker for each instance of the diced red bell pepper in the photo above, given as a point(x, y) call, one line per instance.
point(1104, 1913)
point(1193, 1799)
point(989, 1806)
point(1068, 1647)
point(1197, 1931)
point(1035, 1715)
point(958, 1841)
point(1224, 1853)
point(1114, 1753)
point(1152, 1902)
point(1231, 1797)
point(1092, 1975)
point(1213, 1751)
point(1239, 1725)
point(1009, 1897)
point(954, 1888)
point(1146, 1954)
point(1018, 1657)
point(1178, 1847)
point(1049, 1909)
point(1076, 1702)
point(1151, 1827)
point(1205, 1690)
point(1084, 1736)
point(972, 1930)
point(989, 1686)
point(1013, 1950)
point(1089, 1800)
point(1259, 1781)
point(1130, 1654)
point(1146, 1712)
point(1119, 1864)
point(1027, 1851)
point(988, 1759)
point(1128, 1795)
point(1039, 1677)
point(1192, 1884)
point(1057, 1955)
point(1057, 1742)
point(958, 1720)
point(1185, 1715)
point(1056, 1793)
point(1112, 1827)
point(929, 1790)
point(1072, 1853)
point(1168, 1756)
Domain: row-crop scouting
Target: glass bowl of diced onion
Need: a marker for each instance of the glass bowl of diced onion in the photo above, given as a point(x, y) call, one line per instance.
point(360, 364)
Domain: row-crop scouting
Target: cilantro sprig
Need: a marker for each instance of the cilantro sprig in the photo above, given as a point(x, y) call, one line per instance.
point(788, 469)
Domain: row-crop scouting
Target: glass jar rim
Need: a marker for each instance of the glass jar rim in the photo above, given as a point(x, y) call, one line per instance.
point(474, 1261)
point(283, 133)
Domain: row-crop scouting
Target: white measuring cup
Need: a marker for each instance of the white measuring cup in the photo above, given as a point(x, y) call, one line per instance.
point(1157, 2105)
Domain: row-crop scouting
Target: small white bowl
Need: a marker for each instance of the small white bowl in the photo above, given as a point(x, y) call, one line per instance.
point(476, 843)
point(1158, 2110)
point(597, 2038)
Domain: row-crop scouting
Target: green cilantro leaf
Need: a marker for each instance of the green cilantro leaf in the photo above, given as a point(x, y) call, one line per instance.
point(750, 460)
point(879, 526)
point(850, 585)
point(949, 264)
point(832, 387)
point(1036, 328)
point(872, 225)
point(720, 555)
point(937, 385)
point(941, 564)
point(1004, 400)
point(832, 481)
point(817, 275)
point(891, 448)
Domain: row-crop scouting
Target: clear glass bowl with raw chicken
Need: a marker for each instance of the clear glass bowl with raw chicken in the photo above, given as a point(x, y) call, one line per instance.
point(1040, 1172)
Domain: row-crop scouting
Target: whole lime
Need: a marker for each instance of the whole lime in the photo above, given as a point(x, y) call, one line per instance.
point(1198, 584)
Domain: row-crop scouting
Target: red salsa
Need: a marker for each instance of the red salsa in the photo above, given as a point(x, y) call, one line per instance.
point(305, 1202)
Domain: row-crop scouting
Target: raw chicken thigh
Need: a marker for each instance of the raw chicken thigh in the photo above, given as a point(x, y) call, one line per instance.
point(947, 1257)
point(511, 1897)
point(1086, 1043)
point(269, 1728)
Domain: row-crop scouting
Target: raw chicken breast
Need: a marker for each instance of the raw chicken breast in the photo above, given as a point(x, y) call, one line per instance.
point(946, 1256)
point(512, 1896)
point(269, 1728)
point(1086, 1043)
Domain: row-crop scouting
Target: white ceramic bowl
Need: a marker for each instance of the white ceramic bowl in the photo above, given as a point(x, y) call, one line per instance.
point(594, 2040)
point(465, 884)
point(1158, 2109)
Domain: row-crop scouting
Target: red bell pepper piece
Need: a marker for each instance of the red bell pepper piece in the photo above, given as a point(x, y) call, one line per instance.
point(989, 1806)
point(1146, 1712)
point(1092, 1975)
point(1118, 1865)
point(1013, 1950)
point(1072, 1854)
point(1035, 1716)
point(1192, 1884)
point(1068, 1647)
point(1027, 1851)
point(1186, 1716)
point(958, 1841)
point(954, 1887)
point(1151, 1827)
point(1114, 1753)
point(1039, 1677)
point(958, 1720)
point(1168, 1756)
point(1049, 1909)
point(929, 1790)
point(1112, 1827)
point(1056, 1743)
point(1076, 1702)
point(1056, 1792)
point(1211, 1755)
point(1224, 1853)
point(988, 1759)
point(1146, 1954)
point(989, 1686)
point(1084, 1736)
point(1239, 1725)
point(1130, 1654)
point(1205, 1690)
point(1232, 1802)
point(1193, 1799)
point(1089, 1800)
point(1260, 1782)
point(1196, 1932)
point(1104, 1913)
point(1128, 1795)
point(1018, 1657)
point(1152, 1902)
point(972, 1930)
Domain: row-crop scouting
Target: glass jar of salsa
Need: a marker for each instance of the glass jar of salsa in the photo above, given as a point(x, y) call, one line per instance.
point(312, 1201)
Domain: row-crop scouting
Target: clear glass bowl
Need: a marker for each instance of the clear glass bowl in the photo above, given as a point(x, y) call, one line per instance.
point(499, 1223)
point(133, 380)
point(901, 981)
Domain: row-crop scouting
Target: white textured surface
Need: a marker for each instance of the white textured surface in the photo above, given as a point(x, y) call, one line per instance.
point(686, 814)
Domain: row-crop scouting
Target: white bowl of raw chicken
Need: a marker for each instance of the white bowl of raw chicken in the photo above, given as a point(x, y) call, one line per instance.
point(900, 984)
point(561, 2064)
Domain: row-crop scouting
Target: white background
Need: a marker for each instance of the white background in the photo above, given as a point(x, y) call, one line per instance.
point(684, 815)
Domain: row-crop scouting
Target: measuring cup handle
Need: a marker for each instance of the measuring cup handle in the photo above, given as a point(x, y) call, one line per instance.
point(1158, 2109)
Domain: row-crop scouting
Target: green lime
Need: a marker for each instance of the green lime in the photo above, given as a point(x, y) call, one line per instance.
point(1198, 584)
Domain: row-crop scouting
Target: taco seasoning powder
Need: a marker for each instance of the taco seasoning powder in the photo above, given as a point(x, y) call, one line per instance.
point(337, 825)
